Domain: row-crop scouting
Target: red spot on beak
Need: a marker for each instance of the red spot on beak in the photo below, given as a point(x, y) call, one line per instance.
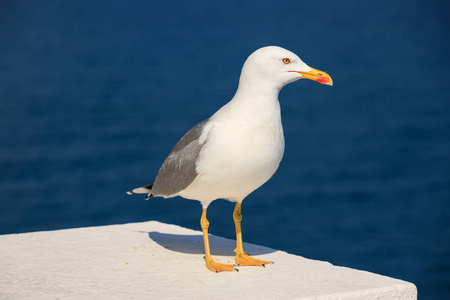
point(322, 80)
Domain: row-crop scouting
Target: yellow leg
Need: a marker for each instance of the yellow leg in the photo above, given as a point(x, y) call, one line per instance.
point(243, 259)
point(210, 264)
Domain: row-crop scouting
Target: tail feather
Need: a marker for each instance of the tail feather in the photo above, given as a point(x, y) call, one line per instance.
point(143, 190)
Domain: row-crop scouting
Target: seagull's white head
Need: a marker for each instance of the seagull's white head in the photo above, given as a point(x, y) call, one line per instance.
point(274, 67)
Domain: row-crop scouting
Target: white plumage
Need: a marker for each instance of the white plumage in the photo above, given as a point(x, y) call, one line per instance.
point(245, 145)
point(237, 149)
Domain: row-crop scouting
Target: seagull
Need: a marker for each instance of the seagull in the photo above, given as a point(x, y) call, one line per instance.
point(238, 148)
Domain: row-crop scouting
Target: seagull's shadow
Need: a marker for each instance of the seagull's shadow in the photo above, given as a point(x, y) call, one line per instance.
point(193, 244)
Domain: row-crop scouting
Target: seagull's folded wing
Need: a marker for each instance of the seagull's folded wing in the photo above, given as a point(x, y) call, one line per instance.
point(178, 170)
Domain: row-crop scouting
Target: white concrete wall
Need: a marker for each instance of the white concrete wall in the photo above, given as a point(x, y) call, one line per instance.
point(152, 260)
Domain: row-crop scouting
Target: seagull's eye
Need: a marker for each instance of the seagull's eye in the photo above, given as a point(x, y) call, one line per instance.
point(286, 61)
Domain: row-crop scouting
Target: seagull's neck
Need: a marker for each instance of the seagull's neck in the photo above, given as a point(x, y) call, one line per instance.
point(257, 89)
point(263, 95)
point(254, 104)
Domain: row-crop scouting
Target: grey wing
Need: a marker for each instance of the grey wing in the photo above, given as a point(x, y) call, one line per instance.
point(178, 170)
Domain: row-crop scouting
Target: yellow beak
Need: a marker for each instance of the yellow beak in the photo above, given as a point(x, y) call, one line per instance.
point(319, 76)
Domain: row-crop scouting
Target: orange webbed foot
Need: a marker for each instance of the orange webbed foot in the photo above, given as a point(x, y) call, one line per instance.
point(219, 267)
point(242, 259)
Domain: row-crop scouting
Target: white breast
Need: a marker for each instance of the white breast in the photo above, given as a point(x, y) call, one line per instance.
point(243, 150)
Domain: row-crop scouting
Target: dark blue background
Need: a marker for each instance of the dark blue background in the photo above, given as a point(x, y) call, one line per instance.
point(94, 94)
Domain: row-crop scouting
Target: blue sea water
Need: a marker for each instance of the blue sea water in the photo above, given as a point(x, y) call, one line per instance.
point(94, 94)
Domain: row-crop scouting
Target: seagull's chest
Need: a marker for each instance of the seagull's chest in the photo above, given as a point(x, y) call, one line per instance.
point(242, 153)
point(252, 145)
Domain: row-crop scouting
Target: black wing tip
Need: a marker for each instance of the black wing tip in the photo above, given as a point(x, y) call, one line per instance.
point(146, 197)
point(142, 190)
